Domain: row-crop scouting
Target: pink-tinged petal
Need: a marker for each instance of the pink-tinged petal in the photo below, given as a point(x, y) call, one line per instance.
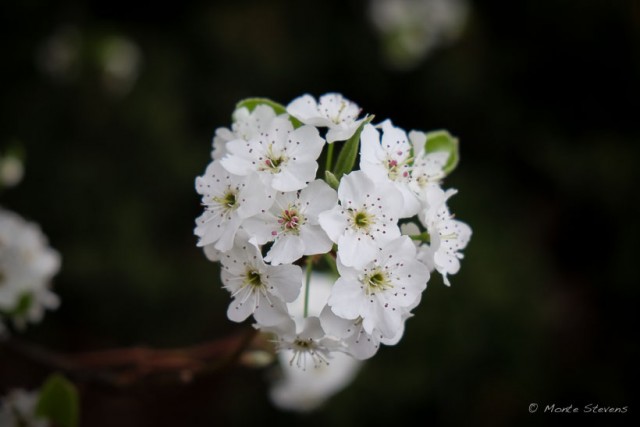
point(333, 222)
point(284, 281)
point(347, 298)
point(285, 250)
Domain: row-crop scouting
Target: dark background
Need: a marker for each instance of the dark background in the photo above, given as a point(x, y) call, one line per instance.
point(544, 97)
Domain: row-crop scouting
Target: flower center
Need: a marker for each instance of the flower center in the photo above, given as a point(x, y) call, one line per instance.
point(228, 201)
point(253, 279)
point(362, 219)
point(376, 281)
point(397, 169)
point(290, 220)
point(273, 161)
point(303, 349)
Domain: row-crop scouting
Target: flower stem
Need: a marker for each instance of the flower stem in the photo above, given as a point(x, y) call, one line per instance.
point(327, 166)
point(306, 285)
point(329, 259)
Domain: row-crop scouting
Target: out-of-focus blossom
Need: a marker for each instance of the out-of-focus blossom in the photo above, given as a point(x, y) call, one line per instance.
point(18, 409)
point(411, 29)
point(305, 390)
point(11, 171)
point(27, 264)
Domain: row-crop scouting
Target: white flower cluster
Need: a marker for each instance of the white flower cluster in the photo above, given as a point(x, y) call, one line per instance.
point(266, 215)
point(27, 265)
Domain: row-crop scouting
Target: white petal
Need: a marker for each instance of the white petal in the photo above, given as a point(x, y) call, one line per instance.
point(315, 240)
point(271, 312)
point(306, 144)
point(346, 299)
point(286, 249)
point(333, 222)
point(318, 197)
point(356, 250)
point(286, 281)
point(241, 307)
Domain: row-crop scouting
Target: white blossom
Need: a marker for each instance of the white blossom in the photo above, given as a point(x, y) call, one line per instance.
point(246, 125)
point(306, 342)
point(365, 219)
point(447, 235)
point(389, 159)
point(292, 223)
point(428, 168)
point(389, 282)
point(285, 159)
point(27, 265)
point(258, 288)
point(305, 390)
point(228, 200)
point(332, 111)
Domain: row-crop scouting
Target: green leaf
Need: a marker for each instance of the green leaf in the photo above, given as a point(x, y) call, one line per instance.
point(347, 157)
point(58, 402)
point(251, 104)
point(441, 140)
point(23, 305)
point(331, 180)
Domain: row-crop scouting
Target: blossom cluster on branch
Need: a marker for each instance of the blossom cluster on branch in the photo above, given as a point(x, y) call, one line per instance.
point(272, 215)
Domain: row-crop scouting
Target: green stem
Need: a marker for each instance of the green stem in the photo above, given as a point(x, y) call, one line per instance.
point(422, 237)
point(332, 263)
point(327, 166)
point(306, 286)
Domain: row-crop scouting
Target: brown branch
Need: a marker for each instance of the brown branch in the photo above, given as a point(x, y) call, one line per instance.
point(126, 366)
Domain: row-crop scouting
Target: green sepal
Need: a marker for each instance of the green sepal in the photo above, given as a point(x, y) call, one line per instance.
point(349, 153)
point(441, 140)
point(423, 237)
point(23, 305)
point(251, 104)
point(58, 401)
point(331, 180)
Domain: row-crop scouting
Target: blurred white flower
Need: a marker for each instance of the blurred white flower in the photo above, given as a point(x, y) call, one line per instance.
point(18, 409)
point(121, 60)
point(306, 390)
point(411, 29)
point(11, 171)
point(27, 265)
